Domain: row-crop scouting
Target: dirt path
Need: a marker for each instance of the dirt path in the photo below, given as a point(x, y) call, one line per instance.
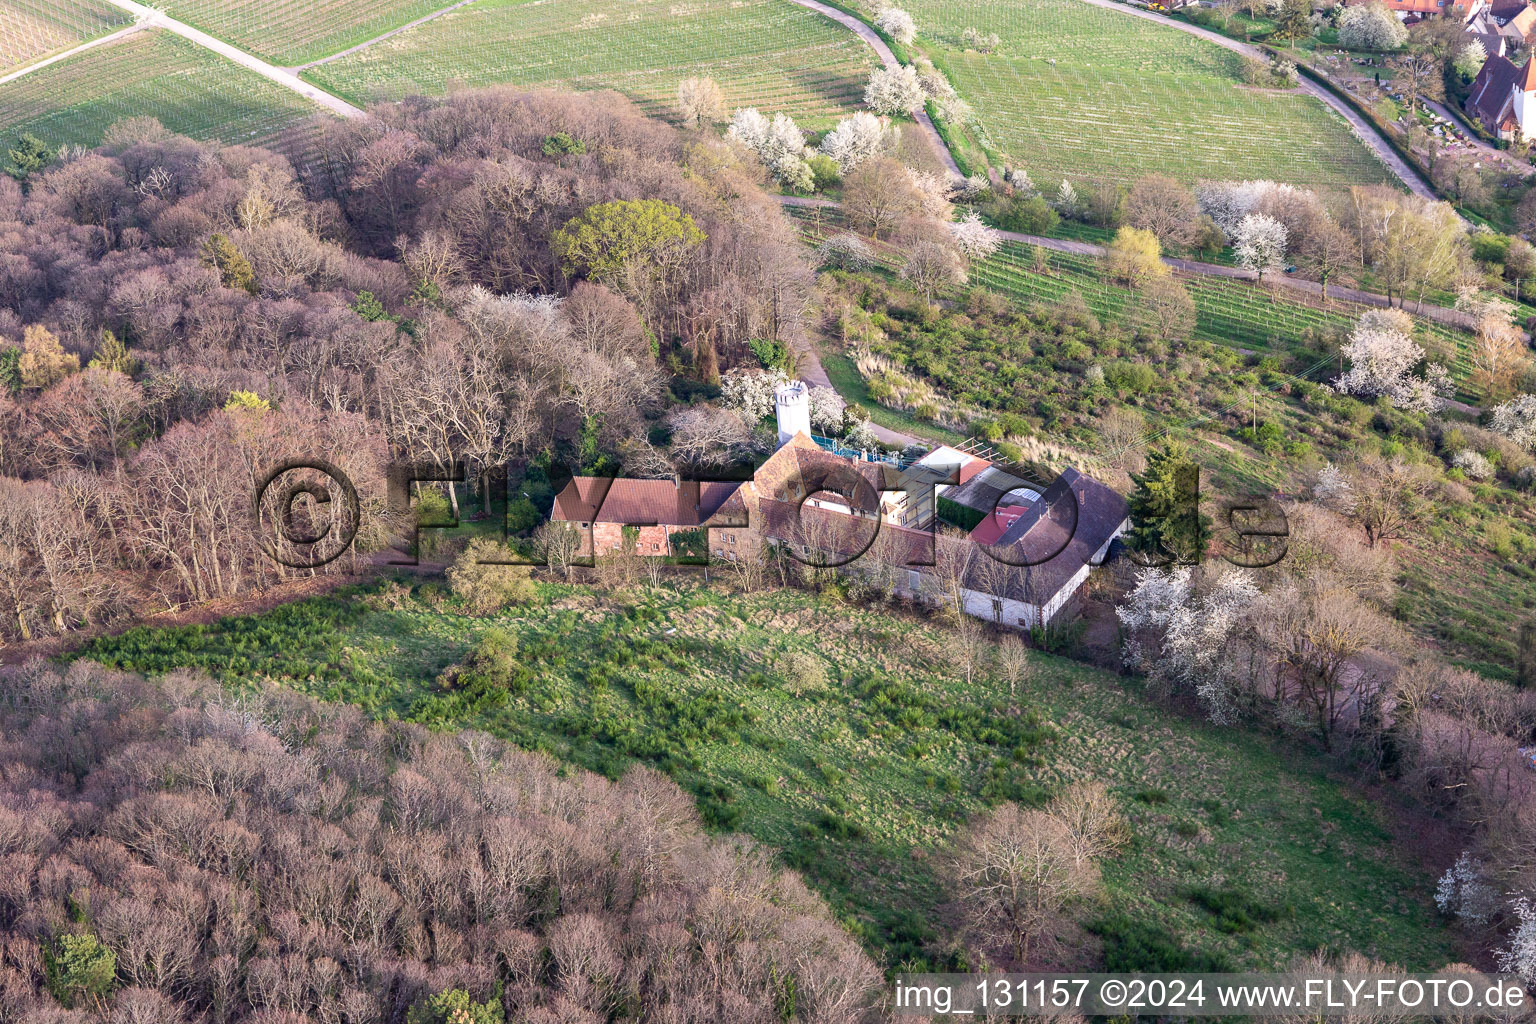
point(87, 45)
point(887, 58)
point(379, 39)
point(151, 18)
point(1461, 123)
point(1363, 130)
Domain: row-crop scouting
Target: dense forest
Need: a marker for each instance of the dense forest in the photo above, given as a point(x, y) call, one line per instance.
point(484, 279)
point(171, 853)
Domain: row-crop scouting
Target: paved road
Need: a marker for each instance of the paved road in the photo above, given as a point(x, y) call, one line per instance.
point(88, 44)
point(1362, 128)
point(151, 18)
point(887, 58)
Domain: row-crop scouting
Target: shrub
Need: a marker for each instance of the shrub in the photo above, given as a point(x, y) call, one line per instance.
point(485, 586)
point(1474, 464)
point(1030, 215)
point(802, 672)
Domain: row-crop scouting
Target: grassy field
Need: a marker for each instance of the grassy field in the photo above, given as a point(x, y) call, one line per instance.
point(293, 32)
point(764, 53)
point(1080, 92)
point(33, 29)
point(190, 90)
point(863, 782)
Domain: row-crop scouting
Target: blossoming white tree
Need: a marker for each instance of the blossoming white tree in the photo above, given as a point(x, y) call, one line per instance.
point(748, 127)
point(1184, 638)
point(826, 410)
point(778, 143)
point(1516, 420)
point(973, 238)
point(1464, 892)
point(1520, 956)
point(862, 435)
point(1371, 27)
point(897, 24)
point(894, 91)
point(1259, 244)
point(1474, 464)
point(751, 391)
point(1066, 198)
point(1382, 356)
point(845, 252)
point(857, 138)
point(1228, 202)
point(1471, 58)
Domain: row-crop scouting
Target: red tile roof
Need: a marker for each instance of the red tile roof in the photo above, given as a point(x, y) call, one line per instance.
point(591, 499)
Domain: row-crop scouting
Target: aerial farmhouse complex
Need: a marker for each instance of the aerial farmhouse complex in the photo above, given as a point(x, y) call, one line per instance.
point(951, 520)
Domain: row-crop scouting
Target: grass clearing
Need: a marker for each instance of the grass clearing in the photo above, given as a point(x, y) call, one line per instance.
point(871, 775)
point(768, 54)
point(190, 90)
point(1081, 92)
point(33, 29)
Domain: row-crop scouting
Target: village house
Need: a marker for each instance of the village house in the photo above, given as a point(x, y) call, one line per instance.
point(923, 525)
point(1502, 98)
point(653, 515)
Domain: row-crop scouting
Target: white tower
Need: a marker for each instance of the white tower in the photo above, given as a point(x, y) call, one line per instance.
point(792, 408)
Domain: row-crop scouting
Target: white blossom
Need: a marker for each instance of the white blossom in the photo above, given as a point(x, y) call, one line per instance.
point(749, 128)
point(1370, 27)
point(1019, 179)
point(975, 239)
point(845, 252)
point(1463, 892)
point(1520, 957)
point(1471, 58)
point(826, 409)
point(778, 143)
point(1516, 420)
point(1259, 243)
point(1382, 358)
point(1474, 464)
point(751, 391)
point(897, 24)
point(1193, 633)
point(894, 91)
point(1066, 198)
point(862, 436)
point(1228, 202)
point(1333, 489)
point(857, 138)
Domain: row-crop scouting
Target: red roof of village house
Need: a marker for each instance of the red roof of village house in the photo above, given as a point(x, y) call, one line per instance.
point(592, 499)
point(992, 528)
point(1419, 6)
